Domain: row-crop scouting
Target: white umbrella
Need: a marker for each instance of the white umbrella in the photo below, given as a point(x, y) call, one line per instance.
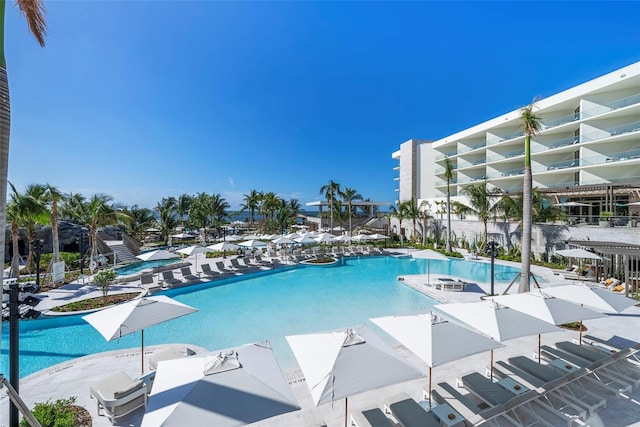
point(360, 238)
point(182, 236)
point(191, 250)
point(136, 315)
point(338, 228)
point(305, 239)
point(282, 241)
point(570, 204)
point(292, 236)
point(231, 387)
point(378, 236)
point(253, 244)
point(498, 321)
point(633, 204)
point(600, 299)
point(250, 237)
point(325, 238)
point(157, 255)
point(344, 238)
point(434, 339)
point(230, 238)
point(550, 309)
point(340, 364)
point(223, 246)
point(578, 253)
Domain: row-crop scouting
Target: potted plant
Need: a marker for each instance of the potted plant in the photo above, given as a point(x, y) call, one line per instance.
point(605, 219)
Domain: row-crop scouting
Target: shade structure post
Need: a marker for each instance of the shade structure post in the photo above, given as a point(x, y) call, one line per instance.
point(429, 387)
point(539, 349)
point(346, 412)
point(491, 365)
point(142, 354)
point(581, 332)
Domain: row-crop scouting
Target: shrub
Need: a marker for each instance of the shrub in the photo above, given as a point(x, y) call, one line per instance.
point(104, 279)
point(60, 413)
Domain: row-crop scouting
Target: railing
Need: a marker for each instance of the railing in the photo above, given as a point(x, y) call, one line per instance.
point(468, 163)
point(564, 164)
point(613, 105)
point(19, 403)
point(612, 131)
point(557, 144)
point(466, 149)
point(560, 120)
point(507, 173)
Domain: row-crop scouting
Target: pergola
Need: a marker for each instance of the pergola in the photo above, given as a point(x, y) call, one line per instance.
point(620, 258)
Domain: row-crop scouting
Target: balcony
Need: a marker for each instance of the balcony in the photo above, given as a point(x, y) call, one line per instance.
point(564, 164)
point(613, 105)
point(506, 173)
point(557, 144)
point(611, 131)
point(467, 148)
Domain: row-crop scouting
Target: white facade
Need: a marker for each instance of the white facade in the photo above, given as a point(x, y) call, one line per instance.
point(588, 146)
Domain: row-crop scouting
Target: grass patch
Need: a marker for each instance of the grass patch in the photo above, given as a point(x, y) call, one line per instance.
point(95, 303)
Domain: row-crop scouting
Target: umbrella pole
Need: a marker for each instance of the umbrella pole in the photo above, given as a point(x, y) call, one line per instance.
point(491, 365)
point(539, 349)
point(346, 411)
point(429, 387)
point(142, 355)
point(581, 332)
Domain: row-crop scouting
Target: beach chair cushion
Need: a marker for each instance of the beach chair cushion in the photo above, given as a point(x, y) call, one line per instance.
point(486, 389)
point(128, 390)
point(410, 413)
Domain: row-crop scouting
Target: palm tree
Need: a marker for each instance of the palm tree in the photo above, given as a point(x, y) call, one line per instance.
point(72, 206)
point(480, 204)
point(270, 204)
point(530, 122)
point(99, 212)
point(35, 216)
point(251, 203)
point(53, 196)
point(141, 219)
point(167, 219)
point(412, 210)
point(448, 174)
point(20, 209)
point(182, 206)
point(425, 215)
point(219, 208)
point(348, 196)
point(401, 213)
point(33, 11)
point(330, 192)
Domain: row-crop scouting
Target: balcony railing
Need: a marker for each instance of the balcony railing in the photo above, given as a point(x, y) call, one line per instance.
point(612, 131)
point(466, 149)
point(509, 172)
point(610, 106)
point(564, 164)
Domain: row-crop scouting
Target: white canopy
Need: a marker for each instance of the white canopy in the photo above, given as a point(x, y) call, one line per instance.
point(232, 387)
point(195, 249)
point(600, 299)
point(136, 315)
point(325, 238)
point(378, 236)
point(344, 238)
point(250, 237)
point(577, 253)
point(340, 364)
point(223, 246)
point(282, 241)
point(305, 239)
point(428, 254)
point(182, 236)
point(361, 238)
point(253, 244)
point(157, 255)
point(570, 204)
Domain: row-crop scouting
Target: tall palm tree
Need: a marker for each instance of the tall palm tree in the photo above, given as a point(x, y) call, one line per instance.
point(401, 213)
point(72, 206)
point(251, 203)
point(141, 219)
point(348, 196)
point(530, 122)
point(182, 207)
point(480, 204)
point(270, 204)
point(33, 11)
point(330, 191)
point(448, 174)
point(167, 219)
point(19, 211)
point(36, 216)
point(99, 212)
point(53, 197)
point(425, 215)
point(219, 208)
point(412, 211)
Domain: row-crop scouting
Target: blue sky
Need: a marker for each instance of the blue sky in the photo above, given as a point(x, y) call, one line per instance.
point(141, 100)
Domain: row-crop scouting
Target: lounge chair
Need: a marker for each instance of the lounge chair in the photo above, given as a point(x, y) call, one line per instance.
point(187, 275)
point(611, 382)
point(409, 413)
point(119, 395)
point(258, 259)
point(446, 284)
point(168, 354)
point(168, 280)
point(370, 418)
point(223, 268)
point(147, 282)
point(236, 265)
point(208, 272)
point(572, 269)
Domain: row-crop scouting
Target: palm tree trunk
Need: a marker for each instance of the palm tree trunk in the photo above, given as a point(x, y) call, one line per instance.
point(349, 219)
point(54, 233)
point(448, 248)
point(5, 124)
point(30, 237)
point(526, 219)
point(15, 260)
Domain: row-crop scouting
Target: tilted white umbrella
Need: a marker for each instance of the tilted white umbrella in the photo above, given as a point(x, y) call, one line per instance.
point(325, 238)
point(253, 244)
point(497, 321)
point(282, 241)
point(157, 255)
point(223, 246)
point(434, 339)
point(600, 299)
point(548, 308)
point(578, 253)
point(194, 250)
point(136, 315)
point(340, 364)
point(231, 387)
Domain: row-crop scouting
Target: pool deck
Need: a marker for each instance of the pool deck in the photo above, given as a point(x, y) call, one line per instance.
point(73, 378)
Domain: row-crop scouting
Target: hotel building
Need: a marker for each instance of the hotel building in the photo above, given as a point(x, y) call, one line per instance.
point(587, 150)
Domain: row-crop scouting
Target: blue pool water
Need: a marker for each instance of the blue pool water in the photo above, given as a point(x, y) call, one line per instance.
point(143, 265)
point(271, 306)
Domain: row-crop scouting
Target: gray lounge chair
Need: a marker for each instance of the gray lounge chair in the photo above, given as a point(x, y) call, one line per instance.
point(119, 395)
point(223, 268)
point(236, 264)
point(187, 275)
point(147, 282)
point(370, 418)
point(409, 413)
point(168, 280)
point(208, 272)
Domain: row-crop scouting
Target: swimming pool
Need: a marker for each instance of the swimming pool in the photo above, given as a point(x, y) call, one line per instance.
point(137, 267)
point(271, 306)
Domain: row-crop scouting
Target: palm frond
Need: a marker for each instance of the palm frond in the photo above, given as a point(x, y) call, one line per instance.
point(34, 12)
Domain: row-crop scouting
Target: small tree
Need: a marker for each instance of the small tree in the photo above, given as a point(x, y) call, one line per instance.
point(104, 280)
